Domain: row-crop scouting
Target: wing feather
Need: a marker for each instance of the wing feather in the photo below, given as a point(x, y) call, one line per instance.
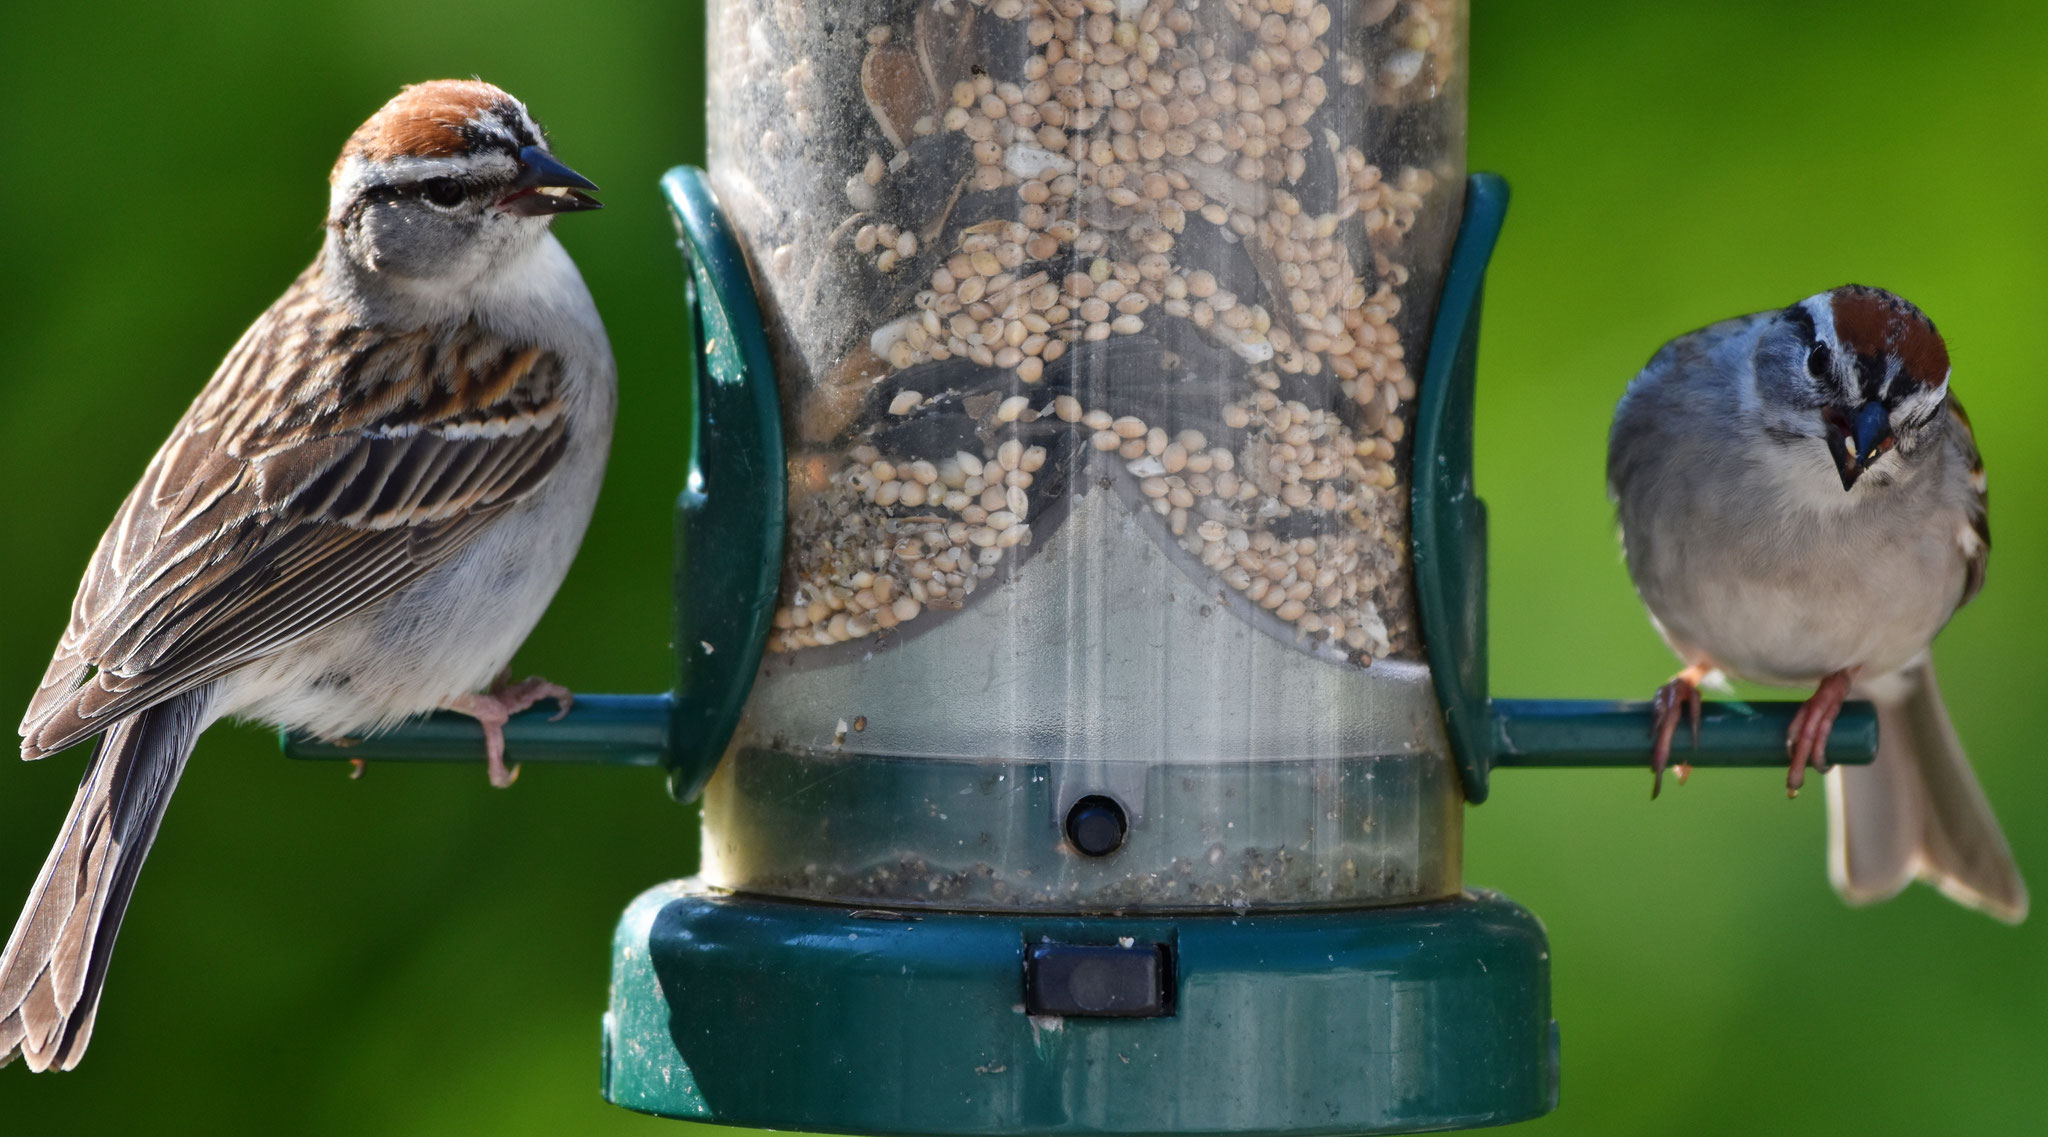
point(326, 465)
point(1975, 538)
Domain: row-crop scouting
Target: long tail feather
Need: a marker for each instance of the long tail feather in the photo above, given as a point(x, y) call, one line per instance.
point(1918, 812)
point(56, 961)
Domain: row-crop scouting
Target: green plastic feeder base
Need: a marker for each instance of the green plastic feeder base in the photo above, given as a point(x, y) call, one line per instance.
point(739, 1010)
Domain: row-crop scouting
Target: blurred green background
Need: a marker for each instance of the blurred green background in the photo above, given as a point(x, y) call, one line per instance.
point(414, 953)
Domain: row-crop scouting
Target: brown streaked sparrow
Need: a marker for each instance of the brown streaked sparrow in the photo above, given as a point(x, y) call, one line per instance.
point(1801, 502)
point(359, 519)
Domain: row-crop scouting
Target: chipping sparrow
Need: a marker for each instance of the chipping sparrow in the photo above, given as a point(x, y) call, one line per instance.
point(1801, 501)
point(359, 519)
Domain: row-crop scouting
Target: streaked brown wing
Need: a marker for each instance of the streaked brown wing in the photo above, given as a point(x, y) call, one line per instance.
point(1977, 555)
point(323, 467)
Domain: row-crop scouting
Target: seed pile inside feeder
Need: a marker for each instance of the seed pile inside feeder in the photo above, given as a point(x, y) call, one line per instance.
point(1016, 249)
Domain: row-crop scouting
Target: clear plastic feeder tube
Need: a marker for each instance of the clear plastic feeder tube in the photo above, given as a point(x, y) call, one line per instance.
point(1098, 324)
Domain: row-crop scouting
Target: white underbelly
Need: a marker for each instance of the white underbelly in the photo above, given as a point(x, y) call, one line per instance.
point(1782, 635)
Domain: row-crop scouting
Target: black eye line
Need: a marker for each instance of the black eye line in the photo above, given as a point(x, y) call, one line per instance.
point(1820, 360)
point(1803, 320)
point(428, 188)
point(1869, 374)
point(1934, 407)
point(386, 192)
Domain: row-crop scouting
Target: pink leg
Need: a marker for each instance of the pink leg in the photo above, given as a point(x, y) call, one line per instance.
point(1807, 741)
point(1680, 696)
point(492, 709)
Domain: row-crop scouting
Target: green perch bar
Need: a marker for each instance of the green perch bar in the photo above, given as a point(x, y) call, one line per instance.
point(633, 730)
point(1594, 734)
point(599, 730)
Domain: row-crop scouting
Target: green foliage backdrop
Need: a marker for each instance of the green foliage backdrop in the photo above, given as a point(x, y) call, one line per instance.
point(414, 953)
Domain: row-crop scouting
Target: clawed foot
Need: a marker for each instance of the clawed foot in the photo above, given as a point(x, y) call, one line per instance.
point(356, 766)
point(1807, 741)
point(1681, 695)
point(505, 699)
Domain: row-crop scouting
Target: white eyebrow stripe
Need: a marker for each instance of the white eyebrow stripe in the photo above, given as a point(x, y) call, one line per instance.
point(1822, 309)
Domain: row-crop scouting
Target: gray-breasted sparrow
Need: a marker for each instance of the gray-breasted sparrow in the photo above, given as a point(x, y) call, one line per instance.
point(359, 519)
point(1801, 502)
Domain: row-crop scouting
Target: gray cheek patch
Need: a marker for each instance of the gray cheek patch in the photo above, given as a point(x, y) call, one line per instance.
point(410, 239)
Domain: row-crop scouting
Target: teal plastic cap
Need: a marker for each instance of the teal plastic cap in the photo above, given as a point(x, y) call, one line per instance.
point(778, 1015)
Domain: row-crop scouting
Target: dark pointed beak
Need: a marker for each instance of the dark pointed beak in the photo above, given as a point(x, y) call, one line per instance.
point(539, 173)
point(1856, 443)
point(1873, 430)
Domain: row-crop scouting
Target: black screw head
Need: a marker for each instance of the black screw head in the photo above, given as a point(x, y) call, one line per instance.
point(1096, 825)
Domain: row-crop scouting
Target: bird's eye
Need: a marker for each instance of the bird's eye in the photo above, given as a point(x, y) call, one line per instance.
point(444, 192)
point(1819, 360)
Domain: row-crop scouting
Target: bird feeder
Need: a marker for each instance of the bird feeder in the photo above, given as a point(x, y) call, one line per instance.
point(1080, 589)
